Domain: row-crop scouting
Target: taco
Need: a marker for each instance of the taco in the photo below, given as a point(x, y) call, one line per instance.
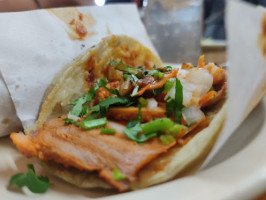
point(117, 118)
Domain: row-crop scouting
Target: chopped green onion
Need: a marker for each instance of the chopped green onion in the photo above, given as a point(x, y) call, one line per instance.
point(84, 111)
point(108, 131)
point(126, 76)
point(169, 84)
point(143, 102)
point(157, 125)
point(118, 175)
point(125, 68)
point(167, 68)
point(176, 129)
point(167, 139)
point(93, 123)
point(135, 91)
point(158, 75)
point(36, 184)
point(69, 121)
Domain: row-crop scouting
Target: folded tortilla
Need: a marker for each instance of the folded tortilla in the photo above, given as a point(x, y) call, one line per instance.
point(72, 82)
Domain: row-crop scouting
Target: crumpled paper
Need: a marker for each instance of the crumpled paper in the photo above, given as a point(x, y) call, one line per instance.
point(245, 25)
point(35, 45)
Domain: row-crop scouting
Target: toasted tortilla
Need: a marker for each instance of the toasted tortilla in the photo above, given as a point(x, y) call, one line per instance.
point(73, 81)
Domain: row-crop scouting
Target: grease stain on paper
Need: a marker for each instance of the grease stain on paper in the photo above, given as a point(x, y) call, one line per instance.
point(262, 36)
point(5, 121)
point(108, 30)
point(77, 23)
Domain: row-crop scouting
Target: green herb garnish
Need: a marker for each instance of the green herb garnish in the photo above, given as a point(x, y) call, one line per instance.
point(176, 129)
point(103, 82)
point(158, 91)
point(103, 106)
point(69, 121)
point(77, 109)
point(135, 91)
point(91, 124)
point(167, 139)
point(127, 69)
point(158, 75)
point(133, 129)
point(168, 85)
point(157, 125)
point(211, 88)
point(36, 184)
point(175, 106)
point(118, 175)
point(142, 102)
point(166, 88)
point(108, 131)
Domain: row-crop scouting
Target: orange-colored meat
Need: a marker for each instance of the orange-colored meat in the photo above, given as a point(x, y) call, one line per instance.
point(158, 84)
point(218, 73)
point(212, 97)
point(103, 93)
point(201, 62)
point(130, 113)
point(89, 150)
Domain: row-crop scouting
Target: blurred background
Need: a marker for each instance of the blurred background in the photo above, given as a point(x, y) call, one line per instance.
point(180, 30)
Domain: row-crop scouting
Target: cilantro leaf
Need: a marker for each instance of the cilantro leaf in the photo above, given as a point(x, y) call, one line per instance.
point(175, 106)
point(133, 129)
point(103, 82)
point(133, 134)
point(77, 109)
point(34, 183)
point(71, 121)
point(158, 90)
point(94, 115)
point(102, 108)
point(110, 101)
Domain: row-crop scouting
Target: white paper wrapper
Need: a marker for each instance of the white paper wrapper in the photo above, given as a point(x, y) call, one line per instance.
point(8, 118)
point(247, 66)
point(35, 45)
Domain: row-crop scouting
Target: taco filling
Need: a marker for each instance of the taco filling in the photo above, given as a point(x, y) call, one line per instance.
point(126, 121)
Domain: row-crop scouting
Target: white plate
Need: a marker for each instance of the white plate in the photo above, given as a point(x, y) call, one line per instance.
point(237, 172)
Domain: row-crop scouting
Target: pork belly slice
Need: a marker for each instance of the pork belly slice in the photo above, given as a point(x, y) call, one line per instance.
point(89, 150)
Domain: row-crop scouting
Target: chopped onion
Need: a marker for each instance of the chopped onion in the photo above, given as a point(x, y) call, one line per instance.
point(200, 78)
point(192, 115)
point(152, 104)
point(75, 118)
